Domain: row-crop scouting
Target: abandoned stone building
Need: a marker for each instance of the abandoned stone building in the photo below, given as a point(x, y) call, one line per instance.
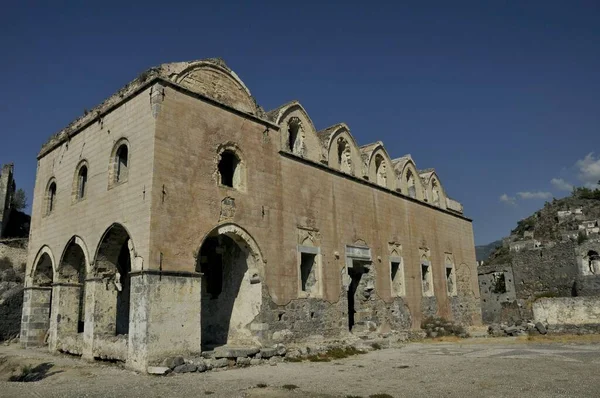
point(178, 216)
point(7, 190)
point(561, 269)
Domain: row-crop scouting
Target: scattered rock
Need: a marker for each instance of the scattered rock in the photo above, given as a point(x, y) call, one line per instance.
point(201, 367)
point(158, 370)
point(541, 328)
point(268, 352)
point(243, 361)
point(283, 335)
point(281, 349)
point(173, 362)
point(235, 352)
point(275, 360)
point(220, 363)
point(186, 368)
point(256, 361)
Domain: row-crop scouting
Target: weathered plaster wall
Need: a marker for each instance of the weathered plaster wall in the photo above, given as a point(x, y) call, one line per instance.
point(127, 203)
point(167, 321)
point(283, 194)
point(567, 310)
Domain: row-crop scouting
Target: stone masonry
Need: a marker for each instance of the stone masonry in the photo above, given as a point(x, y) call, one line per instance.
point(178, 216)
point(7, 190)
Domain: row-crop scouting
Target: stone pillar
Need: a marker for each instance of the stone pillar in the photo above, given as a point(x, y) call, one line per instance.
point(164, 316)
point(100, 313)
point(64, 316)
point(36, 316)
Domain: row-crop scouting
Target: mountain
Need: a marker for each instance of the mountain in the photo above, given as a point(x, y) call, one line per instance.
point(482, 252)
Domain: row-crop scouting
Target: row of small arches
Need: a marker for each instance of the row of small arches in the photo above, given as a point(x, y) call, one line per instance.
point(336, 148)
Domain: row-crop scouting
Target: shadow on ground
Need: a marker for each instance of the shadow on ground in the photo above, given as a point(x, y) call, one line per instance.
point(34, 373)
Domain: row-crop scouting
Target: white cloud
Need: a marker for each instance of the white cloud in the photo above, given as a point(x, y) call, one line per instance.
point(589, 170)
point(534, 195)
point(504, 198)
point(561, 184)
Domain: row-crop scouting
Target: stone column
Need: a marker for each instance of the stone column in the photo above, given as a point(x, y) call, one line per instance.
point(64, 316)
point(36, 316)
point(100, 313)
point(164, 316)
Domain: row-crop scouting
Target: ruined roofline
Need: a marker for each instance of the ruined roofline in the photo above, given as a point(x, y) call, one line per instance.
point(174, 75)
point(364, 156)
point(225, 90)
point(362, 181)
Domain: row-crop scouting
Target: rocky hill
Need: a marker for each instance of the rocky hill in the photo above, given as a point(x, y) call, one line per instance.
point(482, 252)
point(575, 217)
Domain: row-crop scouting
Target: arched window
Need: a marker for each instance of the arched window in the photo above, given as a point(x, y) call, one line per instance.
point(51, 197)
point(344, 156)
point(593, 262)
point(381, 171)
point(230, 170)
point(82, 177)
point(435, 193)
point(410, 184)
point(122, 163)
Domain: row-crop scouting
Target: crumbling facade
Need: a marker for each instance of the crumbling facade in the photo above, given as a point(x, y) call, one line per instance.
point(179, 216)
point(7, 190)
point(561, 269)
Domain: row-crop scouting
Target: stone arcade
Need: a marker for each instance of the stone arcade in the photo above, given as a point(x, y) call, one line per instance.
point(178, 216)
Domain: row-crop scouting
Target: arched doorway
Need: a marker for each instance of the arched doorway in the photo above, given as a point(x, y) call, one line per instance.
point(593, 262)
point(42, 275)
point(72, 271)
point(37, 300)
point(113, 263)
point(232, 269)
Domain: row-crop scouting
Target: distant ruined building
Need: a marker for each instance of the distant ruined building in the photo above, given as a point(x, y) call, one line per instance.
point(179, 216)
point(551, 269)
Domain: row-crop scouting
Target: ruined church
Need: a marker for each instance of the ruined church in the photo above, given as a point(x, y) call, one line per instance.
point(178, 216)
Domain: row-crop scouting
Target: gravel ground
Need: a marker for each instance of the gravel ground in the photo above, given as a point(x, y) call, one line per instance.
point(503, 367)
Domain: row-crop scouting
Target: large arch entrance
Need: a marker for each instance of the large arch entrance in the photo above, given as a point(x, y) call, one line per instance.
point(113, 263)
point(232, 269)
point(37, 301)
point(72, 273)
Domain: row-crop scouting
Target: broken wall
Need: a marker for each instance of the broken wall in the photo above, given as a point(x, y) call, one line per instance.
point(569, 314)
point(13, 257)
point(498, 294)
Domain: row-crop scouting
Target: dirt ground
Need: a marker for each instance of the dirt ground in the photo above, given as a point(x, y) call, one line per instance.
point(504, 367)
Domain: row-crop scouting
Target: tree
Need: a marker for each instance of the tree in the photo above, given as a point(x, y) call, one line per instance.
point(19, 200)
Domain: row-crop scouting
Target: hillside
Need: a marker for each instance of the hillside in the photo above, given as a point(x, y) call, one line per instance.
point(569, 218)
point(482, 252)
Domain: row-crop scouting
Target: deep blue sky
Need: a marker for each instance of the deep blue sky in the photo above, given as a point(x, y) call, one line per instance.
point(500, 98)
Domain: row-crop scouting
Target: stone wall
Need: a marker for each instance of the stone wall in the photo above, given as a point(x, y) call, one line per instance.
point(556, 271)
point(498, 294)
point(567, 310)
point(13, 256)
point(545, 271)
point(7, 190)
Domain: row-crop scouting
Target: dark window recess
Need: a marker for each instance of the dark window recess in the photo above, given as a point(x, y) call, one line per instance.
point(122, 163)
point(307, 264)
point(227, 168)
point(394, 270)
